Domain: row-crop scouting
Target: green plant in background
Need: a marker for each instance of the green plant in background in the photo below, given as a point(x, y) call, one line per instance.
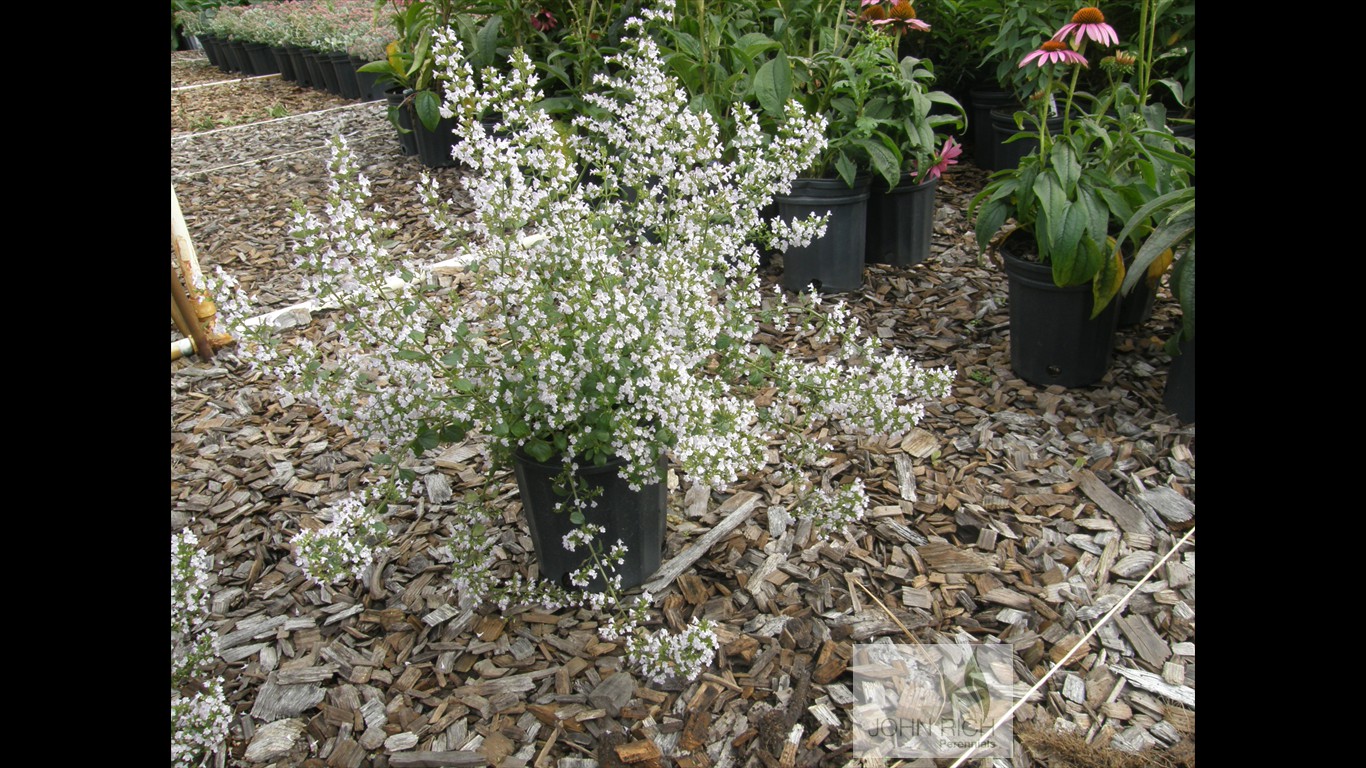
point(1105, 165)
point(408, 62)
point(1020, 28)
point(714, 50)
point(960, 37)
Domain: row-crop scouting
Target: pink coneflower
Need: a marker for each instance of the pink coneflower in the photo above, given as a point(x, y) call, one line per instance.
point(544, 21)
point(1089, 22)
point(947, 156)
point(1054, 52)
point(902, 18)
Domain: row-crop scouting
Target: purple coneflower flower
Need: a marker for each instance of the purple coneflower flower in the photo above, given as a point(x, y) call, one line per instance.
point(947, 156)
point(544, 21)
point(902, 18)
point(1054, 52)
point(1089, 22)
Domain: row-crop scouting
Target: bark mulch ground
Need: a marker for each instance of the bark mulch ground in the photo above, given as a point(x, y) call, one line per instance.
point(1014, 514)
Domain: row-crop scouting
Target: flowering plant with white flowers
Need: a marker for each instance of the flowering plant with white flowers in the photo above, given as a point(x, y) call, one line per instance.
point(200, 714)
point(610, 310)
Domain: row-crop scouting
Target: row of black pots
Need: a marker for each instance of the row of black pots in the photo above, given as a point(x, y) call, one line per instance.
point(334, 72)
point(868, 224)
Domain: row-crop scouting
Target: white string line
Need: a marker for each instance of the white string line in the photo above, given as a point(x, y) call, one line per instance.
point(1063, 661)
point(176, 88)
point(183, 174)
point(277, 120)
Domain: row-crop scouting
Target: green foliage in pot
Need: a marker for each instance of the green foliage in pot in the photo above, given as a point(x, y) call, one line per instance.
point(409, 63)
point(717, 52)
point(1091, 179)
point(1174, 231)
point(960, 35)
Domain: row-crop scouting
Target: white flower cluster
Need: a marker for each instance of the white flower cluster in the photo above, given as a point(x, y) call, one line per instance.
point(662, 656)
point(199, 722)
point(346, 546)
point(191, 643)
point(836, 510)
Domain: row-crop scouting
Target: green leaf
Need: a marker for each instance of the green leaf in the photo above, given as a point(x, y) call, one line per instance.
point(989, 221)
point(576, 517)
point(773, 84)
point(486, 43)
point(539, 450)
point(753, 44)
point(1066, 166)
point(884, 161)
point(428, 107)
point(1053, 201)
point(1075, 259)
point(1107, 280)
point(1183, 285)
point(846, 168)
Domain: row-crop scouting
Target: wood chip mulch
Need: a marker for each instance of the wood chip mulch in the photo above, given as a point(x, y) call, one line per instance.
point(236, 100)
point(1013, 514)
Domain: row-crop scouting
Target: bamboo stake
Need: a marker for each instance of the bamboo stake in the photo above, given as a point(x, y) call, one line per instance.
point(178, 320)
point(184, 248)
point(201, 341)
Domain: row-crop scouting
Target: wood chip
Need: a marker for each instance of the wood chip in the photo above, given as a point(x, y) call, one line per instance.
point(437, 760)
point(1148, 681)
point(1128, 518)
point(947, 558)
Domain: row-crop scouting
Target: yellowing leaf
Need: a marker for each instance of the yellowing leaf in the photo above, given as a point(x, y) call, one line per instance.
point(1107, 281)
point(1159, 266)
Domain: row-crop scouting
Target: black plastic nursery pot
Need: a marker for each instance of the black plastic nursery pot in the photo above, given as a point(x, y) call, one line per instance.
point(1053, 339)
point(346, 75)
point(900, 222)
point(407, 142)
point(637, 518)
point(327, 73)
point(983, 101)
point(371, 87)
point(210, 44)
point(315, 69)
point(233, 55)
point(262, 60)
point(1179, 396)
point(434, 147)
point(302, 75)
point(833, 262)
point(283, 63)
point(1003, 127)
point(1137, 307)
